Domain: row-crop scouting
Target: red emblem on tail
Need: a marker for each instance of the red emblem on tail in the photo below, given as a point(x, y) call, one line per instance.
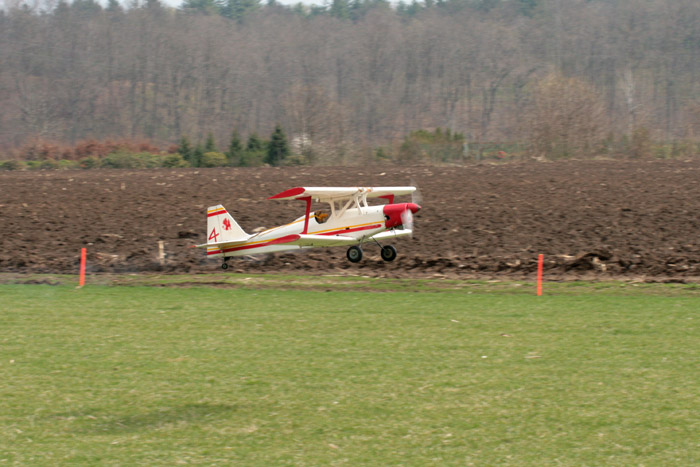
point(227, 224)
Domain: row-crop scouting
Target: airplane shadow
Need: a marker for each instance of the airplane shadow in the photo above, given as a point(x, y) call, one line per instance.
point(96, 422)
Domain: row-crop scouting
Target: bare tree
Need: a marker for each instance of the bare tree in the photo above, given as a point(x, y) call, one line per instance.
point(352, 77)
point(566, 117)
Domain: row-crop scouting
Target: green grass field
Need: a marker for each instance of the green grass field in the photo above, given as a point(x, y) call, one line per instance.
point(489, 374)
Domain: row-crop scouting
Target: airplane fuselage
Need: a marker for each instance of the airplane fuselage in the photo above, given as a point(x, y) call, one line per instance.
point(359, 223)
point(348, 221)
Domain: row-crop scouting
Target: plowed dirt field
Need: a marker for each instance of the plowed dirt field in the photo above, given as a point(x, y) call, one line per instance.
point(635, 219)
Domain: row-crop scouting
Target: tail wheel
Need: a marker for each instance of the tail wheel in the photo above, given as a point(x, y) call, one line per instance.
point(388, 253)
point(224, 266)
point(354, 254)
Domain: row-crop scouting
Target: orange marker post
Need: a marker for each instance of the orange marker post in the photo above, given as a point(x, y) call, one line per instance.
point(83, 252)
point(540, 264)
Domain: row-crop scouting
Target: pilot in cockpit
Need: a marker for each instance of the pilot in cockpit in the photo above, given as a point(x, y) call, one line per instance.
point(321, 216)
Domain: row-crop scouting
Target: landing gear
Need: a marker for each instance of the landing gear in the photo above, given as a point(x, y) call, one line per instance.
point(224, 265)
point(388, 253)
point(354, 254)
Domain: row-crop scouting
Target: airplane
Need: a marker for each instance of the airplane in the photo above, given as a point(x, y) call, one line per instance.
point(349, 221)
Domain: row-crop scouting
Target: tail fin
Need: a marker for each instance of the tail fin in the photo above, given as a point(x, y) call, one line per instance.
point(221, 227)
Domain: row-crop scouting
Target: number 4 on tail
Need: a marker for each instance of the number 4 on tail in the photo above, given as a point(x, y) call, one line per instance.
point(213, 235)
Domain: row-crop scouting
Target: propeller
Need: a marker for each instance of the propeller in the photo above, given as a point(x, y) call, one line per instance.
point(407, 220)
point(407, 215)
point(416, 196)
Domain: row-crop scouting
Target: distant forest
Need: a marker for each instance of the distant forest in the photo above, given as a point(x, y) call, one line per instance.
point(565, 76)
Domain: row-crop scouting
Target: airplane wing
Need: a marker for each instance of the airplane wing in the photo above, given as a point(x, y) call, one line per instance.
point(325, 194)
point(294, 239)
point(338, 240)
point(323, 240)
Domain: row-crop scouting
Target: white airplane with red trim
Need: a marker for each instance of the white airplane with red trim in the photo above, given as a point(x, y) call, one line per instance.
point(348, 221)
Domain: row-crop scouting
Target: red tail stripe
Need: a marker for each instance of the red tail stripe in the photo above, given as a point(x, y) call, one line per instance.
point(216, 213)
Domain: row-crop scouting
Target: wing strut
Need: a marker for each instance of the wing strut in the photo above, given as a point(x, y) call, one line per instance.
point(308, 211)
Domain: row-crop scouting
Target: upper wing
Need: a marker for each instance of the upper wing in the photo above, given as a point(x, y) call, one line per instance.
point(325, 194)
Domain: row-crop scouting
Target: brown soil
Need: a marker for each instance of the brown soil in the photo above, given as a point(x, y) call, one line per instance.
point(592, 219)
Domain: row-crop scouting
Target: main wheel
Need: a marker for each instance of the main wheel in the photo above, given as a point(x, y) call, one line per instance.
point(354, 254)
point(388, 253)
point(224, 266)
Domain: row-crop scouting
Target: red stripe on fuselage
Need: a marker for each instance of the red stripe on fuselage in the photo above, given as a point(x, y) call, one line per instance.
point(356, 229)
point(275, 241)
point(291, 238)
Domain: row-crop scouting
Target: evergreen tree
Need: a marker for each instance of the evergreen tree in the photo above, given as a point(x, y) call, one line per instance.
point(86, 7)
point(487, 5)
point(234, 155)
point(402, 8)
point(527, 7)
point(356, 8)
point(185, 149)
point(414, 8)
point(238, 9)
point(62, 10)
point(153, 5)
point(197, 156)
point(278, 149)
point(340, 9)
point(210, 144)
point(207, 7)
point(254, 153)
point(254, 143)
point(317, 10)
point(114, 6)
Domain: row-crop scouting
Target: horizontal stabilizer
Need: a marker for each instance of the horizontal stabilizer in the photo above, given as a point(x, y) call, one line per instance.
point(223, 245)
point(228, 247)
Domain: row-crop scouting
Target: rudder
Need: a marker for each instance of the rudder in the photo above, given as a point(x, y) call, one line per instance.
point(221, 227)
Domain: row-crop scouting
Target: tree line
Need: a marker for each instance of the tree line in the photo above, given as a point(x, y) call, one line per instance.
point(349, 81)
point(126, 154)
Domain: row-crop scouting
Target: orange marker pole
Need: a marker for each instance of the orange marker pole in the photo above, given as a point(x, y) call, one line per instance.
point(540, 264)
point(82, 266)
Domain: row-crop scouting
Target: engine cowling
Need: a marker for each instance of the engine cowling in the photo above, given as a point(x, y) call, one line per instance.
point(394, 213)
